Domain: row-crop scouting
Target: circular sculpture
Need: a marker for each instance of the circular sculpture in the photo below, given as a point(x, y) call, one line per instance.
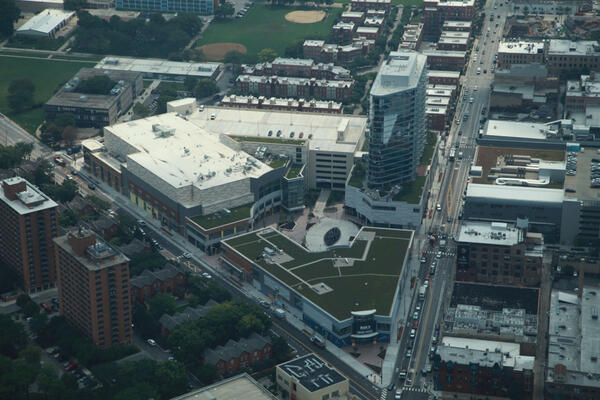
point(332, 236)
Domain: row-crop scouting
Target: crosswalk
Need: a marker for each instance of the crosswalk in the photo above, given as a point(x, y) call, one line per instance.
point(384, 392)
point(444, 253)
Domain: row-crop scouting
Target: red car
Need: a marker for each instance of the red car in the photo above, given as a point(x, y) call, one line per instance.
point(46, 307)
point(71, 367)
point(415, 325)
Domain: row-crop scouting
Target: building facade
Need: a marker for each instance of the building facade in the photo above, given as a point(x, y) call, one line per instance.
point(240, 354)
point(169, 279)
point(495, 252)
point(93, 288)
point(397, 114)
point(510, 53)
point(572, 57)
point(29, 223)
point(437, 12)
point(203, 7)
point(305, 88)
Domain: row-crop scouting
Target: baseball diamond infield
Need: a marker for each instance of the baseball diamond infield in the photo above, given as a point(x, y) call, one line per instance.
point(217, 51)
point(305, 17)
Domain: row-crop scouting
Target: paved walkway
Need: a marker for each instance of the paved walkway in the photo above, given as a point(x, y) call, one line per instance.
point(321, 203)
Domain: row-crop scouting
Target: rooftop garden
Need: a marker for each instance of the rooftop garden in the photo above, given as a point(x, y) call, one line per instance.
point(411, 192)
point(428, 149)
point(277, 162)
point(222, 218)
point(293, 172)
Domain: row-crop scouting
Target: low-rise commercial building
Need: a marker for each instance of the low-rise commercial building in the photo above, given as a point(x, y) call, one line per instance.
point(573, 57)
point(278, 104)
point(448, 60)
point(571, 371)
point(583, 92)
point(483, 368)
point(29, 223)
point(93, 287)
point(494, 312)
point(310, 378)
point(275, 86)
point(45, 24)
point(160, 69)
point(496, 252)
point(94, 109)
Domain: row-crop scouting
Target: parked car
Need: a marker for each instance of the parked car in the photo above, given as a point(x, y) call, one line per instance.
point(151, 342)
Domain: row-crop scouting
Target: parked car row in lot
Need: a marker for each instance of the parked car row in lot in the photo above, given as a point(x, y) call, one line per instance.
point(71, 367)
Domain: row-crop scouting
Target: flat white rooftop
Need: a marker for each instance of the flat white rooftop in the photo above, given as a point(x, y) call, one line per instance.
point(46, 21)
point(496, 233)
point(29, 201)
point(325, 128)
point(574, 48)
point(477, 351)
point(155, 66)
point(180, 152)
point(521, 47)
point(515, 193)
point(515, 129)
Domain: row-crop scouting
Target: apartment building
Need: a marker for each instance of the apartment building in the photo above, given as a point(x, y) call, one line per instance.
point(297, 67)
point(498, 252)
point(449, 60)
point(320, 51)
point(169, 279)
point(93, 287)
point(29, 223)
point(240, 354)
point(294, 87)
point(356, 17)
point(457, 26)
point(412, 36)
point(510, 53)
point(583, 92)
point(343, 32)
point(273, 103)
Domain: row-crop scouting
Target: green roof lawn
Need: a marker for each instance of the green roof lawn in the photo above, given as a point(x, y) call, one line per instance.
point(293, 172)
point(211, 221)
point(372, 281)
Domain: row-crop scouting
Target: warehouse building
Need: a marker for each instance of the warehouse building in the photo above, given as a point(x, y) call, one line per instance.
point(45, 24)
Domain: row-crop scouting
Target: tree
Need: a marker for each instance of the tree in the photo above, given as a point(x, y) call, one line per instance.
point(204, 88)
point(224, 10)
point(9, 14)
point(69, 135)
point(68, 218)
point(267, 55)
point(74, 5)
point(162, 303)
point(281, 350)
point(139, 391)
point(20, 94)
point(64, 192)
point(233, 57)
point(22, 300)
point(31, 309)
point(13, 156)
point(12, 336)
point(171, 379)
point(294, 50)
point(190, 83)
point(31, 355)
point(141, 110)
point(249, 324)
point(38, 323)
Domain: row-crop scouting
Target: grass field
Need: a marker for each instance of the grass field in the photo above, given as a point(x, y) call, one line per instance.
point(369, 283)
point(46, 75)
point(265, 27)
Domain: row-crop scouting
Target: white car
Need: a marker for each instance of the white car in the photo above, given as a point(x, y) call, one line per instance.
point(438, 207)
point(187, 255)
point(151, 342)
point(206, 275)
point(438, 255)
point(412, 333)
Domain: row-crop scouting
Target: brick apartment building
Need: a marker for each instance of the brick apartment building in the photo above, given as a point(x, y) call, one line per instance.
point(298, 68)
point(356, 17)
point(93, 287)
point(500, 253)
point(236, 355)
point(294, 87)
point(446, 59)
point(436, 77)
point(437, 12)
point(169, 279)
point(510, 53)
point(482, 368)
point(263, 103)
point(565, 56)
point(29, 223)
point(320, 51)
point(343, 32)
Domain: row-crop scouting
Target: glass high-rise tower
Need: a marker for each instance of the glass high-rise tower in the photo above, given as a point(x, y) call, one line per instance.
point(397, 120)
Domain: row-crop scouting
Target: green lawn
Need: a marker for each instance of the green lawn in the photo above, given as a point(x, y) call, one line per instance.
point(411, 192)
point(370, 282)
point(417, 3)
point(428, 149)
point(265, 27)
point(293, 172)
point(46, 75)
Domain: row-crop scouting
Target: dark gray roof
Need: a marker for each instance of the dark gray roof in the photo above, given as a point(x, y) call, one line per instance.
point(103, 223)
point(233, 349)
point(147, 277)
point(171, 322)
point(78, 203)
point(134, 247)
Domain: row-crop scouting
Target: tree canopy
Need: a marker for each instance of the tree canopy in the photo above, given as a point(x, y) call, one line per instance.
point(9, 14)
point(13, 156)
point(155, 37)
